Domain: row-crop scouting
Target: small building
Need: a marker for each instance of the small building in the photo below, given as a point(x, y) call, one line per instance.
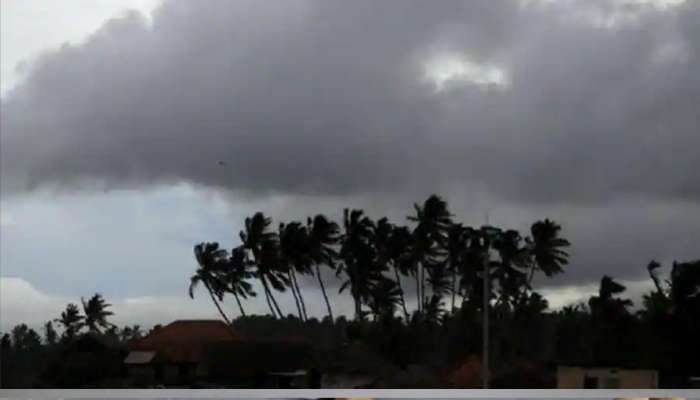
point(172, 355)
point(208, 353)
point(606, 378)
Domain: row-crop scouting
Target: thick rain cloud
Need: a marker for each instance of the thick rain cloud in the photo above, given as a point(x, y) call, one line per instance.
point(330, 98)
point(586, 112)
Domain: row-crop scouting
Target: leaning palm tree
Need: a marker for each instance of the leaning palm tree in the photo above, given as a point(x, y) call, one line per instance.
point(237, 275)
point(323, 236)
point(294, 256)
point(263, 244)
point(211, 260)
point(96, 313)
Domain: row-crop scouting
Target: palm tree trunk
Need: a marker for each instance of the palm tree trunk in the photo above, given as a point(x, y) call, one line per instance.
point(240, 306)
point(422, 285)
point(294, 293)
point(418, 306)
point(323, 290)
point(216, 303)
point(358, 307)
point(301, 298)
point(454, 289)
point(267, 295)
point(277, 306)
point(403, 301)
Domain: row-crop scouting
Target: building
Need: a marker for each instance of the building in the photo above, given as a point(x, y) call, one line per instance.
point(208, 353)
point(172, 355)
point(606, 378)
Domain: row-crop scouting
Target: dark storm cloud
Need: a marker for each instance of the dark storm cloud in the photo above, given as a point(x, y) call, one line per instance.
point(326, 102)
point(328, 98)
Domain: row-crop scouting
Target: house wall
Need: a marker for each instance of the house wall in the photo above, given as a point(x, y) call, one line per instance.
point(141, 373)
point(573, 378)
point(202, 370)
point(171, 373)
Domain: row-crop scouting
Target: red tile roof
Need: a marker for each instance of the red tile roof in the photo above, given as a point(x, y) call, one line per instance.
point(184, 340)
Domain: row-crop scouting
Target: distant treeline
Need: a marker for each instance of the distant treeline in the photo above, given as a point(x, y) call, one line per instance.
point(442, 264)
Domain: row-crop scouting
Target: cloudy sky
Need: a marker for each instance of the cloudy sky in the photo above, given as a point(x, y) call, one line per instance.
point(115, 115)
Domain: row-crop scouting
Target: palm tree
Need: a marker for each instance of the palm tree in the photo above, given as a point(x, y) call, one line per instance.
point(264, 246)
point(303, 268)
point(96, 313)
point(211, 260)
point(357, 252)
point(294, 253)
point(512, 256)
point(685, 288)
point(429, 237)
point(384, 297)
point(456, 249)
point(546, 248)
point(71, 320)
point(607, 306)
point(471, 267)
point(50, 334)
point(237, 275)
point(392, 244)
point(323, 236)
point(130, 332)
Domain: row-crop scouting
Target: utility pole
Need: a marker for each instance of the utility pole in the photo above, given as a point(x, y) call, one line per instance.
point(485, 312)
point(488, 234)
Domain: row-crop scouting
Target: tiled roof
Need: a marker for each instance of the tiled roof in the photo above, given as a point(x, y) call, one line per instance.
point(184, 340)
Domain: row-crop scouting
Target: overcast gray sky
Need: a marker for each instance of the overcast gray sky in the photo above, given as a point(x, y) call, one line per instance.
point(114, 123)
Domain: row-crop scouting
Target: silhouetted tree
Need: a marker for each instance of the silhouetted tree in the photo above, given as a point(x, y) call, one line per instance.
point(238, 273)
point(5, 343)
point(71, 321)
point(96, 313)
point(432, 220)
point(50, 334)
point(357, 254)
point(392, 247)
point(323, 236)
point(546, 248)
point(211, 260)
point(264, 247)
point(25, 338)
point(294, 255)
point(130, 332)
